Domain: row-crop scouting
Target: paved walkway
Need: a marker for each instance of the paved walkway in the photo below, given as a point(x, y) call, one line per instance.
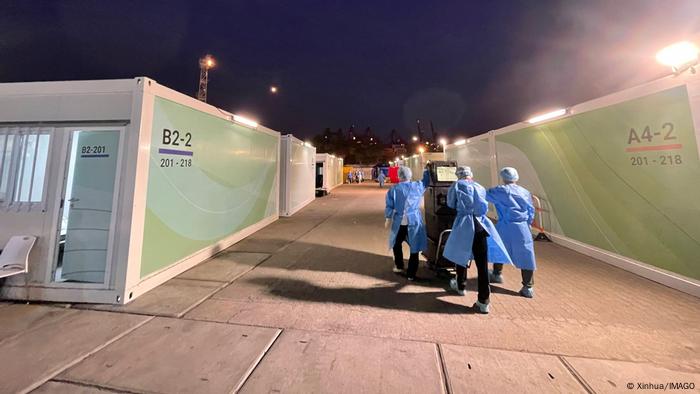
point(309, 304)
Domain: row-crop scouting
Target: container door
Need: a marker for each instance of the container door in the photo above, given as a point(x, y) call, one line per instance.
point(319, 175)
point(85, 228)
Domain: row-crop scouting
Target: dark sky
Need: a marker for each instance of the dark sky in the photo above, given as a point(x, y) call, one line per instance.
point(470, 66)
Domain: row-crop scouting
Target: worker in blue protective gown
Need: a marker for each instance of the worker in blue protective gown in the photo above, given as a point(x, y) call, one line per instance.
point(515, 215)
point(406, 219)
point(381, 178)
point(473, 236)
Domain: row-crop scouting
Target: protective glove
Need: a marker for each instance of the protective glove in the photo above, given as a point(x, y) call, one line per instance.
point(387, 221)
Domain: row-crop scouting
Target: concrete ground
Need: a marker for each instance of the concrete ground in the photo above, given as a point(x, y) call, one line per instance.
point(309, 304)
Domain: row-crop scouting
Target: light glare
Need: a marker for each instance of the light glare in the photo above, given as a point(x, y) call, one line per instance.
point(548, 115)
point(460, 142)
point(678, 54)
point(245, 121)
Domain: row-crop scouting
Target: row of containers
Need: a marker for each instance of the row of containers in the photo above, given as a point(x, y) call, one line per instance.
point(127, 183)
point(616, 178)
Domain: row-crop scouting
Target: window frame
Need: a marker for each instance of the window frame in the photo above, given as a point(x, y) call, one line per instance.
point(16, 172)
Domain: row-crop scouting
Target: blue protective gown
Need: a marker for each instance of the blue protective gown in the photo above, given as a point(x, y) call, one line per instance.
point(381, 178)
point(407, 196)
point(469, 199)
point(515, 215)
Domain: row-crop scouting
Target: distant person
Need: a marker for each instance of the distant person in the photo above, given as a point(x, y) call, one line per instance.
point(381, 178)
point(473, 236)
point(359, 176)
point(349, 176)
point(515, 215)
point(406, 219)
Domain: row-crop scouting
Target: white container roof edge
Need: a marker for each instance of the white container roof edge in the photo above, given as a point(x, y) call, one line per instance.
point(76, 88)
point(619, 96)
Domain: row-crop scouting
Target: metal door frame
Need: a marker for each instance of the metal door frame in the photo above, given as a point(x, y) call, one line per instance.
point(61, 195)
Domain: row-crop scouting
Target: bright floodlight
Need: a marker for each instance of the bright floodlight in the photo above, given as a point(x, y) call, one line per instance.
point(414, 138)
point(443, 141)
point(421, 149)
point(678, 55)
point(548, 115)
point(245, 121)
point(273, 89)
point(460, 142)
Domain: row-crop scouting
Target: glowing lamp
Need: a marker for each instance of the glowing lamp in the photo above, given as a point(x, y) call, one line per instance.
point(679, 56)
point(245, 121)
point(547, 116)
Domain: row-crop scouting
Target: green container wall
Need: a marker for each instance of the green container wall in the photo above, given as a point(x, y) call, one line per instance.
point(227, 184)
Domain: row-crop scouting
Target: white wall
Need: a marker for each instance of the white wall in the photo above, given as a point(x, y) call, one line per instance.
point(297, 175)
point(48, 103)
point(332, 170)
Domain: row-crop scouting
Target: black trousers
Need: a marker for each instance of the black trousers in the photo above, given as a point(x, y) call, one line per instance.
point(480, 251)
point(402, 237)
point(527, 275)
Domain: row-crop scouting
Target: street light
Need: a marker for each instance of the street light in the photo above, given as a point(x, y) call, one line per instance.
point(679, 56)
point(414, 138)
point(273, 89)
point(443, 141)
point(205, 64)
point(421, 149)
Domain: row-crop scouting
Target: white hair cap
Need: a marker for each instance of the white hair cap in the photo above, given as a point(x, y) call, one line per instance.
point(405, 174)
point(463, 172)
point(509, 174)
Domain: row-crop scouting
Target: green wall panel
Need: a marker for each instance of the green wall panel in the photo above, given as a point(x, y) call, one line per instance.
point(623, 178)
point(208, 179)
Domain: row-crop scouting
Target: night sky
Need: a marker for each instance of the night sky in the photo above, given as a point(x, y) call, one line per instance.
point(469, 66)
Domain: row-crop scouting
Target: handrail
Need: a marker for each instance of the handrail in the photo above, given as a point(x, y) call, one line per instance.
point(538, 223)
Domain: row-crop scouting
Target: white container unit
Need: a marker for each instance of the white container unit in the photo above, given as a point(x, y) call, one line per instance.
point(297, 175)
point(329, 172)
point(126, 184)
point(615, 178)
point(418, 161)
